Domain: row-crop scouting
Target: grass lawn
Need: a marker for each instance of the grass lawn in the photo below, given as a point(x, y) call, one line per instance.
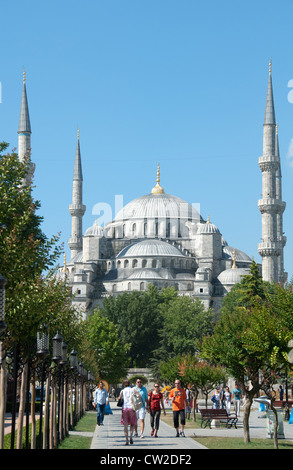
point(86, 424)
point(227, 442)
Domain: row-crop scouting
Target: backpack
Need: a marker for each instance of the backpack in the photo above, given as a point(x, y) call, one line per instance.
point(136, 400)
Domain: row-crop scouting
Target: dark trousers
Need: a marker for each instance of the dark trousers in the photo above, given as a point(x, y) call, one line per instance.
point(100, 413)
point(155, 418)
point(176, 418)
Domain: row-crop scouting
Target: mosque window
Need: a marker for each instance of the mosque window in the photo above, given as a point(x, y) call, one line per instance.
point(144, 263)
point(114, 288)
point(133, 229)
point(126, 262)
point(134, 263)
point(154, 263)
point(141, 286)
point(145, 229)
point(129, 286)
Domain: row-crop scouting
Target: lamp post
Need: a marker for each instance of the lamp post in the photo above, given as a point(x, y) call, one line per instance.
point(73, 368)
point(42, 353)
point(62, 364)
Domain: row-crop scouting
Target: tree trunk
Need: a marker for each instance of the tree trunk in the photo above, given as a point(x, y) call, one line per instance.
point(46, 413)
point(33, 411)
point(21, 406)
point(3, 382)
point(275, 425)
point(246, 414)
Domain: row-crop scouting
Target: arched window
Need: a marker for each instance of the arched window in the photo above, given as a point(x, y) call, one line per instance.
point(114, 288)
point(154, 263)
point(134, 263)
point(144, 263)
point(126, 263)
point(129, 286)
point(133, 229)
point(141, 286)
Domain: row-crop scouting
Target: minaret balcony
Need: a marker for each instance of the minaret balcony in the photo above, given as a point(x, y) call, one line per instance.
point(77, 210)
point(269, 248)
point(269, 163)
point(270, 205)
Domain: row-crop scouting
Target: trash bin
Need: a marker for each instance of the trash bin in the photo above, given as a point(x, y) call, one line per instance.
point(271, 424)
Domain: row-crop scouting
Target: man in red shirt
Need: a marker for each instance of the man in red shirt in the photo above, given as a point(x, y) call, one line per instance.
point(179, 402)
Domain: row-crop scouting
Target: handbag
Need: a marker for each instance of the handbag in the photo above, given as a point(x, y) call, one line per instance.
point(120, 401)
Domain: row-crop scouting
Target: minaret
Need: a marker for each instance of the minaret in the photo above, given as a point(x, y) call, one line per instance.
point(271, 205)
point(24, 133)
point(76, 209)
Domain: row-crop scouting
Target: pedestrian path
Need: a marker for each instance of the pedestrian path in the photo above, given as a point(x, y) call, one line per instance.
point(111, 436)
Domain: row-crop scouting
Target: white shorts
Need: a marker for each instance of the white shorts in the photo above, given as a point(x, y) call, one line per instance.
point(140, 414)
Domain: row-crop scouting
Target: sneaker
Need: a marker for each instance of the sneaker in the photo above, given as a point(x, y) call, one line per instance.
point(135, 435)
point(156, 435)
point(131, 441)
point(177, 435)
point(152, 433)
point(142, 436)
point(182, 434)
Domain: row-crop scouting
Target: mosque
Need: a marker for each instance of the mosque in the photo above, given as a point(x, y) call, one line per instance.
point(161, 239)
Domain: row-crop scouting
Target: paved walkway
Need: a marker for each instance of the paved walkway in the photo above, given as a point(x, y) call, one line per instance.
point(111, 435)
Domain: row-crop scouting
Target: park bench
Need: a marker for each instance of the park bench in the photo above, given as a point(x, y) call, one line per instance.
point(209, 414)
point(282, 403)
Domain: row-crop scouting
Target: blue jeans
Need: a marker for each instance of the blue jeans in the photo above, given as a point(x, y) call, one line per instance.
point(100, 413)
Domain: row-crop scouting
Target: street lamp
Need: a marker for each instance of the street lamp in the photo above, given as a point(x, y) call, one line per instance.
point(57, 348)
point(73, 360)
point(2, 303)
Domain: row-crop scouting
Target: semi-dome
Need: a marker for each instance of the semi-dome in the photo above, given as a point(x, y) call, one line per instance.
point(144, 274)
point(94, 231)
point(149, 248)
point(239, 255)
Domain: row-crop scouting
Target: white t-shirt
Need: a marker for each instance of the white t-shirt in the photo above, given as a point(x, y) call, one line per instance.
point(127, 392)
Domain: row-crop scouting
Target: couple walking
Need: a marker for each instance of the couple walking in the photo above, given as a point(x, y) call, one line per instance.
point(150, 403)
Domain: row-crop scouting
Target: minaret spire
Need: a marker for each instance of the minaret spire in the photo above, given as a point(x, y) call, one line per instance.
point(76, 209)
point(271, 205)
point(24, 131)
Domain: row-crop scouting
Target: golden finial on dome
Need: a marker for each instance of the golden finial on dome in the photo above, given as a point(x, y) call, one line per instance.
point(270, 66)
point(208, 221)
point(78, 133)
point(158, 188)
point(234, 259)
point(23, 75)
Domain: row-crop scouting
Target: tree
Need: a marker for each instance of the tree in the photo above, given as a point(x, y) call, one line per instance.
point(185, 322)
point(138, 321)
point(104, 349)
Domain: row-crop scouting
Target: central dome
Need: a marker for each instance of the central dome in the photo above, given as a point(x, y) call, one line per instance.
point(158, 206)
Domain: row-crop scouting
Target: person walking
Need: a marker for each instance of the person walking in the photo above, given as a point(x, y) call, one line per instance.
point(237, 398)
point(227, 400)
point(140, 414)
point(179, 403)
point(155, 402)
point(100, 400)
point(128, 417)
point(216, 399)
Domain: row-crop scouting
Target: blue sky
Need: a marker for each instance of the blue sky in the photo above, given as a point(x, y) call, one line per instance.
point(182, 83)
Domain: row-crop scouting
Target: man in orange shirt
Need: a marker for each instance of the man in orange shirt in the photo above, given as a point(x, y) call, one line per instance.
point(179, 402)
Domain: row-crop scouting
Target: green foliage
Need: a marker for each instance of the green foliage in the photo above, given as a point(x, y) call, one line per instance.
point(138, 320)
point(104, 350)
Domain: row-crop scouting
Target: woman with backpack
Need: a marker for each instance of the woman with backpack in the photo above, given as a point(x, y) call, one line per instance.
point(155, 402)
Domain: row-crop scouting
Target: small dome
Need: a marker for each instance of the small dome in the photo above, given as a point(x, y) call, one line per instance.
point(149, 248)
point(207, 227)
point(94, 231)
point(232, 275)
